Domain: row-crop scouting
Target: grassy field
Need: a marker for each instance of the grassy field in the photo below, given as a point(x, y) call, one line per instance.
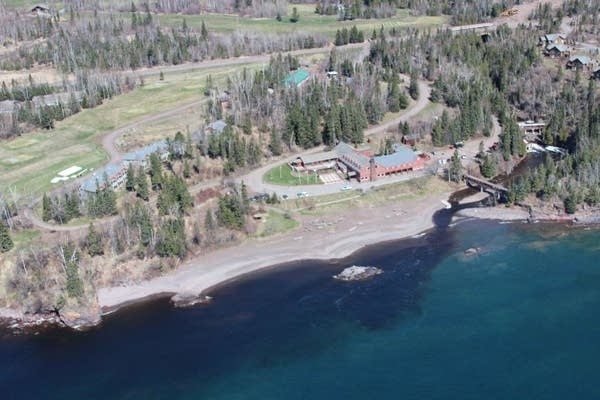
point(275, 223)
point(309, 22)
point(282, 175)
point(27, 163)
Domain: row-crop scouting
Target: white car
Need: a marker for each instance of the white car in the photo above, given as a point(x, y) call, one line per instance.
point(302, 194)
point(347, 187)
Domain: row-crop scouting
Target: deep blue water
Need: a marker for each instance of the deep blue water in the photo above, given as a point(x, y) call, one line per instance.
point(517, 321)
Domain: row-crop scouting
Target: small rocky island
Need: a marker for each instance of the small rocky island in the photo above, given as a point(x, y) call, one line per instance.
point(357, 273)
point(185, 299)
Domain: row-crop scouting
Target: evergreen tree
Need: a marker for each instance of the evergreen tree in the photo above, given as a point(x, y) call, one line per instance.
point(455, 170)
point(186, 169)
point(141, 184)
point(6, 242)
point(172, 241)
point(46, 208)
point(130, 179)
point(95, 246)
point(203, 31)
point(295, 17)
point(71, 265)
point(275, 143)
point(156, 174)
point(488, 167)
point(413, 87)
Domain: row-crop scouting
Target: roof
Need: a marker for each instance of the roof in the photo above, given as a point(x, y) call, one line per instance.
point(319, 157)
point(582, 59)
point(97, 178)
point(348, 153)
point(560, 47)
point(471, 27)
point(551, 37)
point(7, 106)
point(142, 153)
point(412, 136)
point(217, 126)
point(296, 77)
point(401, 155)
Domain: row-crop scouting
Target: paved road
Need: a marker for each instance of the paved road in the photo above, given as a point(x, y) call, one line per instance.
point(253, 179)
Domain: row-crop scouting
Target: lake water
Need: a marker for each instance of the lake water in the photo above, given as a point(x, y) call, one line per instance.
point(519, 320)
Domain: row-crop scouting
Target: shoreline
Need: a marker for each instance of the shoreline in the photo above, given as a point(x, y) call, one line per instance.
point(203, 273)
point(344, 237)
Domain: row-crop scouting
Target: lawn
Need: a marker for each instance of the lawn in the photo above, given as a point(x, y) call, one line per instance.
point(275, 223)
point(28, 162)
point(308, 22)
point(282, 175)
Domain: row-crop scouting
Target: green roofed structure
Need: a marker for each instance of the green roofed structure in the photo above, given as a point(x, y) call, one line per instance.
point(296, 78)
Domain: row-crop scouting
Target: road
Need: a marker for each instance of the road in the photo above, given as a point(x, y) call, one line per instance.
point(254, 178)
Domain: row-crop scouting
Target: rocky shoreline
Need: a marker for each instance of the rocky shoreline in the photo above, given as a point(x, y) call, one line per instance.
point(191, 293)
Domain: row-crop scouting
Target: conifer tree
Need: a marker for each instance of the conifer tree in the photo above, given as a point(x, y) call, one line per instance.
point(130, 179)
point(141, 184)
point(6, 242)
point(46, 208)
point(95, 246)
point(413, 87)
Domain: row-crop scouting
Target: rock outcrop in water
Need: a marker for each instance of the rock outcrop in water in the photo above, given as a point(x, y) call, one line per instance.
point(357, 273)
point(189, 299)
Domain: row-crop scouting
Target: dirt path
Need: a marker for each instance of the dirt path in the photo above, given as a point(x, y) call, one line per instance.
point(422, 102)
point(525, 10)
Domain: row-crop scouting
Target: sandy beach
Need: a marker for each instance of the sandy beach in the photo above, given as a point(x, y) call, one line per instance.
point(335, 235)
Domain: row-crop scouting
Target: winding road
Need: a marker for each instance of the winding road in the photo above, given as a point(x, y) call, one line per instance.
point(254, 178)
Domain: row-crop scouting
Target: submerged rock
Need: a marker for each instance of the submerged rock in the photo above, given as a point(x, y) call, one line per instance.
point(189, 299)
point(471, 251)
point(357, 273)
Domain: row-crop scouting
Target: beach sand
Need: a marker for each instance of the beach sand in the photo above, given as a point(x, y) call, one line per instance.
point(335, 235)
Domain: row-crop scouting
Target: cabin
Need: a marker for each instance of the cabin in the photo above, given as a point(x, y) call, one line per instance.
point(552, 38)
point(578, 62)
point(411, 139)
point(557, 50)
point(595, 74)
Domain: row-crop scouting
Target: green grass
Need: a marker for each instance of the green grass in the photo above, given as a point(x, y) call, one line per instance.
point(24, 236)
point(282, 175)
point(29, 162)
point(309, 22)
point(276, 223)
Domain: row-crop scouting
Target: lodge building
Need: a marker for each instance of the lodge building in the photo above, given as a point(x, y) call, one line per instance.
point(360, 163)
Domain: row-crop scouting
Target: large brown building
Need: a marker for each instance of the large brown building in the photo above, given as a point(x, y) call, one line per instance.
point(361, 164)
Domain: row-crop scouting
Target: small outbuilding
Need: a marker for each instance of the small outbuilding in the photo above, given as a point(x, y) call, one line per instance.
point(296, 78)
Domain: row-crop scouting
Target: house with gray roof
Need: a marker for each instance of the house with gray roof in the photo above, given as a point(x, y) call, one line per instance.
point(141, 156)
point(578, 62)
point(552, 38)
point(557, 50)
point(216, 127)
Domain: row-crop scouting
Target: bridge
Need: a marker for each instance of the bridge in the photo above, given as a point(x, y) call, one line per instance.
point(498, 191)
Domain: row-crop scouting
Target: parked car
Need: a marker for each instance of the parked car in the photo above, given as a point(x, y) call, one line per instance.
point(302, 194)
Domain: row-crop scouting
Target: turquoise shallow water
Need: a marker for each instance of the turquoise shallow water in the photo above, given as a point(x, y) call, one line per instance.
point(518, 320)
